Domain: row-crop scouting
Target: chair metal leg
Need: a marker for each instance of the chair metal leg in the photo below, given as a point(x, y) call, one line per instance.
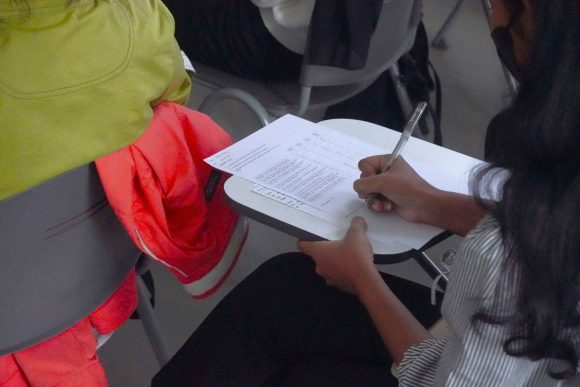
point(305, 93)
point(401, 90)
point(150, 324)
point(439, 40)
point(432, 269)
point(241, 96)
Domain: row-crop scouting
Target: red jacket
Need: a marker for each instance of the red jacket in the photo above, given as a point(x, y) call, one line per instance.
point(169, 200)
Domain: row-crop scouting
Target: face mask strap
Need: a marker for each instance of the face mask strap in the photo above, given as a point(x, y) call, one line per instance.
point(504, 45)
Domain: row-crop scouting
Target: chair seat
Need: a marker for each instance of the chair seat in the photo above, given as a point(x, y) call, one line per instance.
point(278, 97)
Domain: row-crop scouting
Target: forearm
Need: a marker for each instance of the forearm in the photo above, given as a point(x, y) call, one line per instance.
point(451, 211)
point(398, 328)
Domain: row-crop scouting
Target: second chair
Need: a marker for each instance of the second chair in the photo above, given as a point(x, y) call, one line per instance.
point(322, 86)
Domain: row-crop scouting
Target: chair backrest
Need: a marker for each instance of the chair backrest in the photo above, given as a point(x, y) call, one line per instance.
point(393, 37)
point(62, 253)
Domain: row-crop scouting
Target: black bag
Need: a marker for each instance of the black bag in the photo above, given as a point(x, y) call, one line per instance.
point(379, 103)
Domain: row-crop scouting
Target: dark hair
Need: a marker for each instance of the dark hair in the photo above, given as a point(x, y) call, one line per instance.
point(539, 207)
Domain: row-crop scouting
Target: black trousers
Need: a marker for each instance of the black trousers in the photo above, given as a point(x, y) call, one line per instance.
point(283, 326)
point(230, 35)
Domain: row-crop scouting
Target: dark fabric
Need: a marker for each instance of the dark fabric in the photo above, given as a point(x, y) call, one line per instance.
point(379, 103)
point(147, 278)
point(230, 35)
point(283, 326)
point(341, 31)
point(414, 67)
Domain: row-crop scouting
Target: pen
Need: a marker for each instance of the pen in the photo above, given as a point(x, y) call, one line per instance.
point(405, 135)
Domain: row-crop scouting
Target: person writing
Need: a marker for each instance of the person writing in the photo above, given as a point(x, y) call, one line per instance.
point(513, 300)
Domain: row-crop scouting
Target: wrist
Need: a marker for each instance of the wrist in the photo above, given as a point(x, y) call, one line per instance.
point(430, 212)
point(367, 283)
point(452, 211)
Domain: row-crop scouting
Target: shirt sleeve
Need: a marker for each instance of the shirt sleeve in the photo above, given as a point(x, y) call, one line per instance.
point(420, 362)
point(179, 86)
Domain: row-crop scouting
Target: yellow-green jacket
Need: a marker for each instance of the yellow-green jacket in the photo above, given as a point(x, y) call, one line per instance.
point(79, 80)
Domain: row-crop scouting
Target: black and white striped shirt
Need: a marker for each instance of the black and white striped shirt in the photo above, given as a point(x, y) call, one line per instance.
point(474, 356)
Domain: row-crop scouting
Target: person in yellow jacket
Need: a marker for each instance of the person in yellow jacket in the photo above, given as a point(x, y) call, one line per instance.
point(78, 80)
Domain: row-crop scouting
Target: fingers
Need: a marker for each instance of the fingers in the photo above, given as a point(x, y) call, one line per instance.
point(368, 185)
point(303, 246)
point(357, 225)
point(381, 205)
point(371, 165)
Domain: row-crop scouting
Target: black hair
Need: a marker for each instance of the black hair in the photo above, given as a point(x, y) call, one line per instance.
point(539, 207)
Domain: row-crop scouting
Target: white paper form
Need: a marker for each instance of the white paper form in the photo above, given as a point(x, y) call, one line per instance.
point(301, 160)
point(296, 204)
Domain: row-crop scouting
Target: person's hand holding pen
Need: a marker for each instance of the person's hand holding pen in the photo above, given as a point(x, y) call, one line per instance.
point(374, 186)
point(401, 189)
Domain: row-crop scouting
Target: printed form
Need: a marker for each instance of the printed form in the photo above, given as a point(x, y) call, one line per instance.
point(301, 160)
point(312, 168)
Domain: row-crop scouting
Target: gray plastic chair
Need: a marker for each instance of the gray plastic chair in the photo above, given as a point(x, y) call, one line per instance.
point(322, 86)
point(62, 254)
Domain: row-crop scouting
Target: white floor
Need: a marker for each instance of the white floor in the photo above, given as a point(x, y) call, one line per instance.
point(474, 89)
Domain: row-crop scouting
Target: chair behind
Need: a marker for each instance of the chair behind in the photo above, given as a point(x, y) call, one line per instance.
point(320, 86)
point(62, 254)
point(394, 36)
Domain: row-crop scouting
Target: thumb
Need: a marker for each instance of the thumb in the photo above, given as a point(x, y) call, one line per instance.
point(310, 248)
point(357, 226)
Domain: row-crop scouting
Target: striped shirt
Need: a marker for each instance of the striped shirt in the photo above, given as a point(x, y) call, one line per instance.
point(474, 355)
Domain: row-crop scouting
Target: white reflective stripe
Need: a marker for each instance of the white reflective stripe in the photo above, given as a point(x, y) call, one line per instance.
point(101, 339)
point(150, 253)
point(211, 279)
